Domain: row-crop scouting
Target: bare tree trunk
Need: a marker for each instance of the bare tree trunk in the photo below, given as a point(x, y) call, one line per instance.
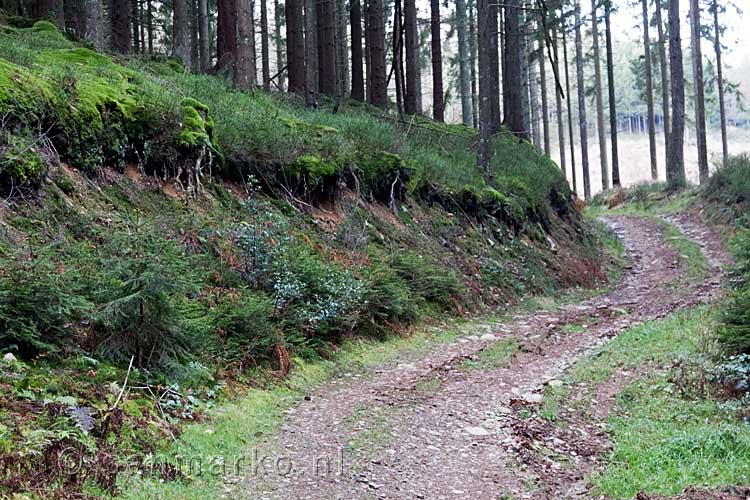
point(485, 35)
point(342, 53)
point(181, 32)
point(279, 44)
point(244, 68)
point(49, 10)
point(534, 93)
point(195, 56)
point(358, 70)
point(512, 80)
point(649, 91)
point(602, 131)
point(412, 56)
point(526, 102)
point(720, 84)
point(612, 100)
point(94, 24)
point(264, 46)
point(226, 33)
point(398, 51)
point(496, 120)
point(438, 105)
point(142, 33)
point(582, 105)
point(134, 22)
point(368, 51)
point(311, 54)
point(376, 37)
point(296, 47)
point(664, 79)
point(545, 102)
point(150, 25)
point(698, 90)
point(571, 133)
point(120, 22)
point(559, 106)
point(205, 50)
point(473, 64)
point(676, 163)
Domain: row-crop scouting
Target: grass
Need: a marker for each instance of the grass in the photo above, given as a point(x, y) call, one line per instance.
point(498, 355)
point(662, 441)
point(692, 258)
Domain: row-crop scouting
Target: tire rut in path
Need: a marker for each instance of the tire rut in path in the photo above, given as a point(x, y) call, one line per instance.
point(432, 429)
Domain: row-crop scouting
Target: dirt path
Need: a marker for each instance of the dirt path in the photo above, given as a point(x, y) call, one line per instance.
point(433, 429)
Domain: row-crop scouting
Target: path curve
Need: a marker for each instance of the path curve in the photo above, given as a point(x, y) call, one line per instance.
point(430, 429)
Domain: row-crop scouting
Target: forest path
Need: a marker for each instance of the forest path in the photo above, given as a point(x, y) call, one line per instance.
point(443, 426)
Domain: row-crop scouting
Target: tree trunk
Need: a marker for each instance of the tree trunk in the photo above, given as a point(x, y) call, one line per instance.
point(195, 50)
point(473, 64)
point(134, 22)
point(295, 47)
point(279, 44)
point(226, 33)
point(571, 133)
point(244, 67)
point(205, 51)
point(485, 34)
point(526, 103)
point(512, 85)
point(559, 106)
point(120, 22)
point(311, 54)
point(720, 84)
point(599, 97)
point(664, 79)
point(545, 102)
point(51, 10)
point(398, 50)
point(612, 100)
point(534, 93)
point(93, 24)
point(342, 55)
point(358, 70)
point(181, 32)
point(264, 46)
point(376, 44)
point(412, 56)
point(582, 105)
point(698, 90)
point(438, 106)
point(649, 91)
point(496, 120)
point(676, 163)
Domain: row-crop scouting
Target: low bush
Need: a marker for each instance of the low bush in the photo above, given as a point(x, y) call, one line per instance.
point(434, 284)
point(734, 332)
point(730, 185)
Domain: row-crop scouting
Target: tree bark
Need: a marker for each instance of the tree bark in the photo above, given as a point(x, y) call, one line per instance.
point(412, 56)
point(120, 22)
point(698, 90)
point(311, 54)
point(327, 67)
point(512, 77)
point(534, 93)
point(676, 163)
point(205, 51)
point(485, 34)
point(358, 70)
point(599, 99)
point(496, 120)
point(134, 22)
point(464, 76)
point(545, 101)
point(195, 50)
point(720, 84)
point(664, 79)
point(226, 33)
point(244, 67)
point(583, 125)
point(473, 64)
point(571, 133)
point(398, 51)
point(376, 46)
point(279, 44)
point(559, 105)
point(295, 46)
point(181, 32)
point(649, 91)
point(438, 104)
point(51, 10)
point(264, 46)
point(612, 100)
point(342, 54)
point(93, 24)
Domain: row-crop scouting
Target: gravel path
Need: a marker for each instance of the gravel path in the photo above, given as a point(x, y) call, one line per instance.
point(433, 429)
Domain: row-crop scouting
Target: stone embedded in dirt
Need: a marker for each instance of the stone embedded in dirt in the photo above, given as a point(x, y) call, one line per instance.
point(533, 398)
point(488, 336)
point(555, 383)
point(477, 431)
point(9, 358)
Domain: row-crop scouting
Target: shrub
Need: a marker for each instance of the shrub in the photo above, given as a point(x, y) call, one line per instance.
point(20, 161)
point(434, 284)
point(731, 184)
point(40, 302)
point(734, 332)
point(389, 301)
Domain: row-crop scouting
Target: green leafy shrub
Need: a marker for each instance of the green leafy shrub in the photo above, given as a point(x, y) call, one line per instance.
point(40, 302)
point(731, 184)
point(389, 300)
point(434, 284)
point(143, 283)
point(734, 332)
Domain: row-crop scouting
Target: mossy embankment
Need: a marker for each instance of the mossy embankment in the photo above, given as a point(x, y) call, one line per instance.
point(213, 237)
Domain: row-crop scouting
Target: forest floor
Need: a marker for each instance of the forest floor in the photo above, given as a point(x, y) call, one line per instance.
point(467, 419)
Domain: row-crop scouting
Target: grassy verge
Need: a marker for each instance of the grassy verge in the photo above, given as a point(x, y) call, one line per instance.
point(692, 258)
point(663, 441)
